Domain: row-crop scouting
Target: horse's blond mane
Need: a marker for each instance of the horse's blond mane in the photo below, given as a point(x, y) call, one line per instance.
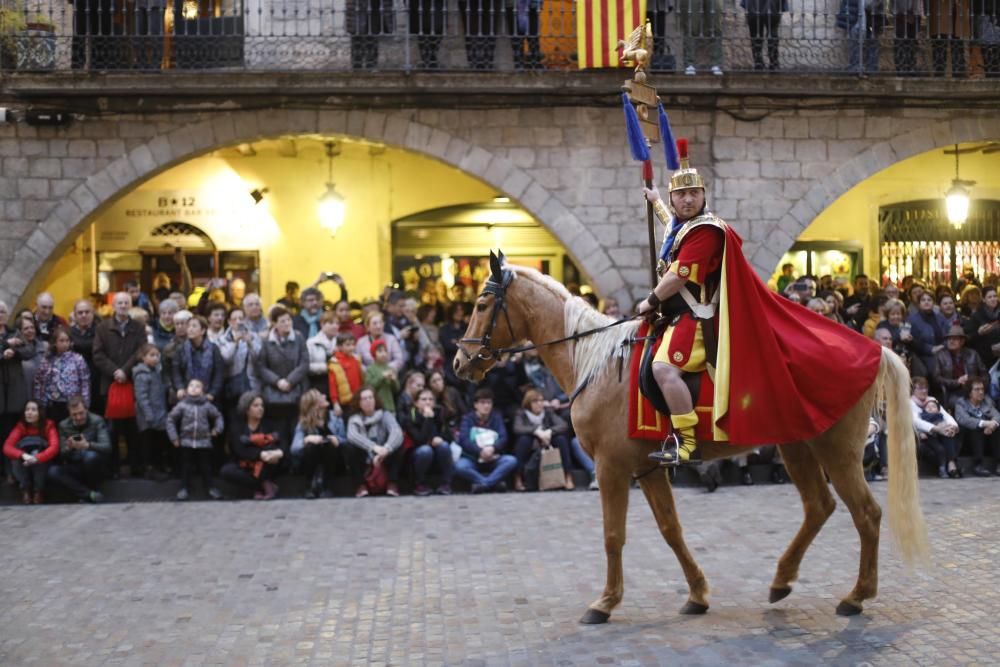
point(592, 354)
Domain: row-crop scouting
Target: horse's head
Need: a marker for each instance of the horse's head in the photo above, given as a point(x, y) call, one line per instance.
point(490, 330)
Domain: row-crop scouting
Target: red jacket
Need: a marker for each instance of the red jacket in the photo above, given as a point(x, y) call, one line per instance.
point(352, 369)
point(11, 451)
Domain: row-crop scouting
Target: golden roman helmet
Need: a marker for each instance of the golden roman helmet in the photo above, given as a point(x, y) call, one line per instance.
point(687, 177)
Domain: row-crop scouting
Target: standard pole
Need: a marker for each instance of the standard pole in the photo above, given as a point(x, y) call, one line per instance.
point(647, 177)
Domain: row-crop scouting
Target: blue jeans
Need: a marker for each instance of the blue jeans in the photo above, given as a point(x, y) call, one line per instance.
point(857, 46)
point(81, 473)
point(499, 470)
point(427, 457)
point(581, 457)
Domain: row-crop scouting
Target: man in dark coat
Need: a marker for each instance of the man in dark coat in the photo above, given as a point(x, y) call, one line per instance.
point(82, 333)
point(46, 319)
point(956, 366)
point(116, 343)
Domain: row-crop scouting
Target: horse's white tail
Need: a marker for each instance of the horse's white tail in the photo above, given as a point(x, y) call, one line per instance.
point(906, 520)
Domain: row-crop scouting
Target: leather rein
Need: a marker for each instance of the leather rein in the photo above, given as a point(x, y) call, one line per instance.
point(486, 352)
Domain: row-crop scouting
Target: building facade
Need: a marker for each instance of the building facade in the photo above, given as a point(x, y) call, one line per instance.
point(778, 152)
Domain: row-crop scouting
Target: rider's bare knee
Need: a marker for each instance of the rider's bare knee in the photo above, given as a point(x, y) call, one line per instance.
point(664, 373)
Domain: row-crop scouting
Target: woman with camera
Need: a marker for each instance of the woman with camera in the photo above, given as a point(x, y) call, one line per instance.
point(32, 444)
point(238, 347)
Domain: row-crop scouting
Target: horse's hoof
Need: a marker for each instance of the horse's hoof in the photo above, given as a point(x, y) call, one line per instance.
point(845, 608)
point(693, 608)
point(595, 617)
point(779, 593)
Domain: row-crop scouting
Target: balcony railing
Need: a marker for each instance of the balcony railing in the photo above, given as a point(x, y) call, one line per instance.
point(691, 36)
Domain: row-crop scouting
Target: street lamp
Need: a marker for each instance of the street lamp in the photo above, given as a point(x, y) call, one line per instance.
point(956, 200)
point(331, 207)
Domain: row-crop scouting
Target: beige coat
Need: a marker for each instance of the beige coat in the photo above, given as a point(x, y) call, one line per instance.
point(951, 17)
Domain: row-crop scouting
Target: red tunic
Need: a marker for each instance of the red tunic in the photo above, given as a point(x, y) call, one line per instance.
point(698, 260)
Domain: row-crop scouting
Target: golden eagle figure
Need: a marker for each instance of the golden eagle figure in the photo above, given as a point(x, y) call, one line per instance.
point(636, 50)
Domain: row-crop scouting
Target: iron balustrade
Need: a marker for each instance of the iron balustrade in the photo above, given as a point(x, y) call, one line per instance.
point(888, 37)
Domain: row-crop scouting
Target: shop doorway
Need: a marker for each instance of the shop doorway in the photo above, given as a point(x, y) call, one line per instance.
point(156, 267)
point(443, 249)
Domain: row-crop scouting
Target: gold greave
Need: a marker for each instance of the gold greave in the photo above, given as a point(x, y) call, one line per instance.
point(684, 424)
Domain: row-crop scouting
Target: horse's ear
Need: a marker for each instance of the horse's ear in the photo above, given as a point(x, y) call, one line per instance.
point(495, 268)
point(503, 260)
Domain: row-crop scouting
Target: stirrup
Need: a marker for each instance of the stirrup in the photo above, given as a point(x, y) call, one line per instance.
point(677, 450)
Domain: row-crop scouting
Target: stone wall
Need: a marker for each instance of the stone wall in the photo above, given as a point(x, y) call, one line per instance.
point(769, 175)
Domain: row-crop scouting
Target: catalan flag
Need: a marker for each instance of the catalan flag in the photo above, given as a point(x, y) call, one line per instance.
point(599, 26)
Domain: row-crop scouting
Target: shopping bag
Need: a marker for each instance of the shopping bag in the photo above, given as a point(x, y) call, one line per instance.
point(121, 401)
point(376, 479)
point(550, 474)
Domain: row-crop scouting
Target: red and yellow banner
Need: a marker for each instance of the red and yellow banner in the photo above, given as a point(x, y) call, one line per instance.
point(599, 26)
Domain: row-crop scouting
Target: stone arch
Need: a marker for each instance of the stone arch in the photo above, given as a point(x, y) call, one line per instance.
point(830, 187)
point(50, 238)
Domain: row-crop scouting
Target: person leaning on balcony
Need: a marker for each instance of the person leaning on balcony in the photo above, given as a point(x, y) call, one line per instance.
point(986, 28)
point(763, 21)
point(365, 21)
point(907, 15)
point(950, 29)
point(523, 28)
point(701, 23)
point(864, 27)
point(147, 39)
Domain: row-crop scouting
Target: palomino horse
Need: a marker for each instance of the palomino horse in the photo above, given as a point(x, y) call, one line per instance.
point(520, 304)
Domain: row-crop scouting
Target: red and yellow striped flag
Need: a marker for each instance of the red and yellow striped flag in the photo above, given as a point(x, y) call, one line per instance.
point(599, 26)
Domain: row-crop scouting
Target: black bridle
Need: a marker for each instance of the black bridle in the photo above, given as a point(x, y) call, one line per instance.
point(498, 288)
point(486, 352)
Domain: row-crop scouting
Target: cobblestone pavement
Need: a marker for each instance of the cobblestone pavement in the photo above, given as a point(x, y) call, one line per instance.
point(484, 580)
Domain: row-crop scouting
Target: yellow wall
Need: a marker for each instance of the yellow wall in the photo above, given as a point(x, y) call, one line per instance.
point(854, 216)
point(284, 227)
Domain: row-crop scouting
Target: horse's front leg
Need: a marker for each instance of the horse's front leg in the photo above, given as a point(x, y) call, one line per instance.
point(661, 501)
point(614, 503)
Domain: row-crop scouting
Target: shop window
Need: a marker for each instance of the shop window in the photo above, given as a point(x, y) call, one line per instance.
point(839, 260)
point(915, 239)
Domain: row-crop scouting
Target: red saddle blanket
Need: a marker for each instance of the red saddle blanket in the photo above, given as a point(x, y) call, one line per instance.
point(644, 422)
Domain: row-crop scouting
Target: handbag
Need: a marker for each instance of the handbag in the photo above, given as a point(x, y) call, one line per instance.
point(121, 401)
point(550, 473)
point(376, 479)
point(32, 444)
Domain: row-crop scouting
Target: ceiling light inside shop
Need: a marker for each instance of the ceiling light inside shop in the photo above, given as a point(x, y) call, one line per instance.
point(956, 200)
point(331, 206)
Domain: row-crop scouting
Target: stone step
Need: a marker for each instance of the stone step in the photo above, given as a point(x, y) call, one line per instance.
point(128, 490)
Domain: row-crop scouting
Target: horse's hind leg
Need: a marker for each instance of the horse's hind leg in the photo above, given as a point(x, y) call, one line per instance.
point(614, 485)
point(840, 451)
point(661, 501)
point(817, 503)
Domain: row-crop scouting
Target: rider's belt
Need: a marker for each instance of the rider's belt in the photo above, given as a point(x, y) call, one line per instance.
point(689, 300)
point(701, 311)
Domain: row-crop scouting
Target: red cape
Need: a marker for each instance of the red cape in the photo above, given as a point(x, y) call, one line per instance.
point(783, 373)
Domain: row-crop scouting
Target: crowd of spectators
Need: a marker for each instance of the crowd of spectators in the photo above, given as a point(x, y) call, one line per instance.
point(950, 341)
point(206, 386)
point(172, 385)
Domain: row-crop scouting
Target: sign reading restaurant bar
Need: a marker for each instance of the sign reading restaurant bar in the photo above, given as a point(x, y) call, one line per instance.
point(130, 222)
point(916, 239)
